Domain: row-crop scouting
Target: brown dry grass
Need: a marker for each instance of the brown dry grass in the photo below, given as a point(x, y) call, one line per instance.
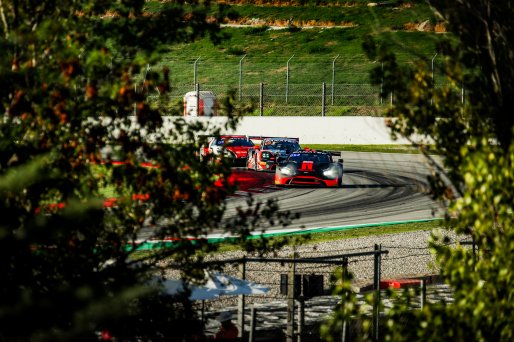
point(440, 28)
point(280, 3)
point(287, 23)
point(426, 27)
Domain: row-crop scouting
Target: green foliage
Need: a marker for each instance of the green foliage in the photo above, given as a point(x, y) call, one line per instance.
point(474, 131)
point(68, 91)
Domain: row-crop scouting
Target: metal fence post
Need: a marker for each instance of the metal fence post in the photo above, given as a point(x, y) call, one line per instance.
point(290, 301)
point(194, 70)
point(241, 302)
point(376, 288)
point(197, 86)
point(382, 86)
point(344, 332)
point(287, 77)
point(261, 99)
point(333, 77)
point(474, 251)
point(323, 95)
point(301, 318)
point(423, 295)
point(241, 78)
point(253, 324)
point(433, 79)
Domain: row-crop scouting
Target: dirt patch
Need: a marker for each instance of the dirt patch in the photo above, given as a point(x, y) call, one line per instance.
point(287, 23)
point(287, 3)
point(425, 26)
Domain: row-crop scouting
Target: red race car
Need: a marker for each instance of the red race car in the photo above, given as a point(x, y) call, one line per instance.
point(309, 167)
point(232, 146)
point(271, 151)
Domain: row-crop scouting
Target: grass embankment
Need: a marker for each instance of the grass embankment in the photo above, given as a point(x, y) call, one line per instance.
point(294, 47)
point(321, 237)
point(267, 50)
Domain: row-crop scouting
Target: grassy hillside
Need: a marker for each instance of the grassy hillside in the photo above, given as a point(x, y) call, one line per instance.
point(300, 44)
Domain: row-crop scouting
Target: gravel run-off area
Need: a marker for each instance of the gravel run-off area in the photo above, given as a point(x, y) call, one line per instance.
point(408, 256)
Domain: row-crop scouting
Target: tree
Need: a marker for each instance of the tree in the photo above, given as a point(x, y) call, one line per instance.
point(72, 74)
point(475, 135)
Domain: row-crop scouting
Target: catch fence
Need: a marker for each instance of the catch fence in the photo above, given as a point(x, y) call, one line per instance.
point(310, 86)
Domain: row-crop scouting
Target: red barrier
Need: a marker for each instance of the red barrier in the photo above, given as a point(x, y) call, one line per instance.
point(399, 283)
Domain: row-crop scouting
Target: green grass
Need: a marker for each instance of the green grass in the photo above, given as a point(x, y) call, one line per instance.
point(351, 234)
point(258, 54)
point(366, 148)
point(372, 231)
point(267, 51)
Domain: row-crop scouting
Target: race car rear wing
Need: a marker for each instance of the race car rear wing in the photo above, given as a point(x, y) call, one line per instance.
point(259, 137)
point(332, 153)
point(225, 136)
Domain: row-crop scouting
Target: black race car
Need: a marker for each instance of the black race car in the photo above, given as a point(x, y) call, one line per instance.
point(309, 167)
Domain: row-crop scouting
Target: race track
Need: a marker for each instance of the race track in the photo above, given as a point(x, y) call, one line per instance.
point(377, 188)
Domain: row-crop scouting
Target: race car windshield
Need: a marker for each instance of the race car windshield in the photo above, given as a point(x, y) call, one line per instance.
point(235, 142)
point(316, 158)
point(283, 145)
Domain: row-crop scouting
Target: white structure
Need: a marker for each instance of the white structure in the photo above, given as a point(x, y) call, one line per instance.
point(208, 103)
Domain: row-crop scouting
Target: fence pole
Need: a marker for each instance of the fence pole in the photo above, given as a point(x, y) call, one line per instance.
point(241, 301)
point(382, 86)
point(194, 70)
point(433, 79)
point(261, 99)
point(344, 332)
point(197, 86)
point(323, 94)
point(376, 287)
point(474, 251)
point(423, 294)
point(290, 301)
point(253, 324)
point(333, 77)
point(301, 318)
point(287, 77)
point(241, 78)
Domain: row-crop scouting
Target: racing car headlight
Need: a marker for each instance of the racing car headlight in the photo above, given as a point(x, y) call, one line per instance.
point(287, 171)
point(331, 172)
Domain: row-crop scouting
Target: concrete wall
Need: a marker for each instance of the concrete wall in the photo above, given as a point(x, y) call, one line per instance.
point(358, 130)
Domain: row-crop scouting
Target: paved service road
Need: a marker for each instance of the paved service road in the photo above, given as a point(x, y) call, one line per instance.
point(377, 187)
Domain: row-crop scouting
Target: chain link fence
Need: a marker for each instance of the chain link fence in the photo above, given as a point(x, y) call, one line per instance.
point(293, 86)
point(292, 100)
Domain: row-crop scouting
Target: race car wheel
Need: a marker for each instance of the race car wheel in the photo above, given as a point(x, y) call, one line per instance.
point(340, 181)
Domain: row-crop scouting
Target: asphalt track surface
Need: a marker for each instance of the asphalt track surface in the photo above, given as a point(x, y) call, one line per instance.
point(377, 188)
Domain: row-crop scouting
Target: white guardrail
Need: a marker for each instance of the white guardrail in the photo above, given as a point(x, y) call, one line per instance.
point(355, 130)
